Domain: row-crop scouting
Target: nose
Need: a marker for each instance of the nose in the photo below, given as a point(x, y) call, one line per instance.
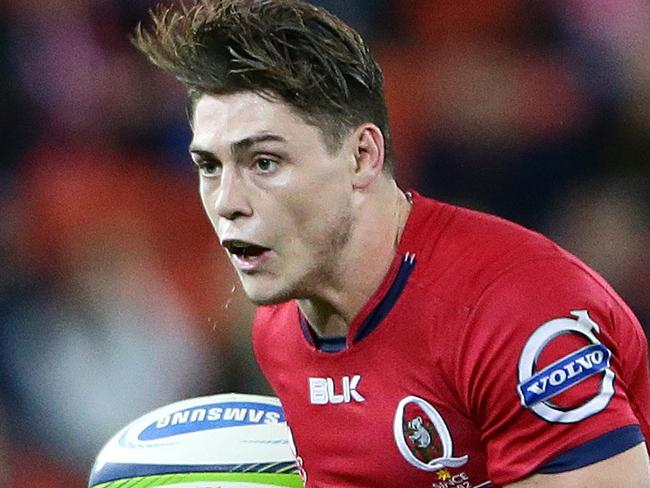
point(231, 199)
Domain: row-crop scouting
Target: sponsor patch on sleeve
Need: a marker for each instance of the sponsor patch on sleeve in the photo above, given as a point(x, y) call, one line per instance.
point(564, 370)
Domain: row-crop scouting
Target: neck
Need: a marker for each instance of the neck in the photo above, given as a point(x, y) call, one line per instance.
point(363, 263)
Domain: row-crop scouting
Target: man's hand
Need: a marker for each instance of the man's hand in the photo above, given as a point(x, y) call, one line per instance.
point(629, 469)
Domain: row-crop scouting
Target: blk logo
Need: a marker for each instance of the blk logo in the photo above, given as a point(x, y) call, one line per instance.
point(323, 390)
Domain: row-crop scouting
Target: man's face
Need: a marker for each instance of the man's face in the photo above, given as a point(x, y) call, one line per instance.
point(279, 201)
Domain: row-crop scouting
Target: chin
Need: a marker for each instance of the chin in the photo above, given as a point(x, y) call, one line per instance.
point(262, 294)
point(265, 299)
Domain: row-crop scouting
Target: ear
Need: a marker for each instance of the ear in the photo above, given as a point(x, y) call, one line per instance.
point(369, 155)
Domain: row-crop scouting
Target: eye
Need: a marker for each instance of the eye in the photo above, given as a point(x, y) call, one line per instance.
point(208, 169)
point(265, 165)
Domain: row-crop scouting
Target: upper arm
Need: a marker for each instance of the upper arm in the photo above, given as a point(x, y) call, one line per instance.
point(630, 469)
point(555, 389)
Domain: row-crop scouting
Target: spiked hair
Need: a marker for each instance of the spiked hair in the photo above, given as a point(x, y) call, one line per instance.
point(286, 50)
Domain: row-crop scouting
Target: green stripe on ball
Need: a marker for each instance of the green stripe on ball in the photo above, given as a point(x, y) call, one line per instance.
point(208, 480)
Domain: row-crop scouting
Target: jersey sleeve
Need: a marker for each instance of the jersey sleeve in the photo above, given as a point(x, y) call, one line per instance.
point(554, 370)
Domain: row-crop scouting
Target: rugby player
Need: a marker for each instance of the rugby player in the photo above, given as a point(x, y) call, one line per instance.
point(411, 342)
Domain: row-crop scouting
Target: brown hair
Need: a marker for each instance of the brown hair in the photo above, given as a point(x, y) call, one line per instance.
point(289, 49)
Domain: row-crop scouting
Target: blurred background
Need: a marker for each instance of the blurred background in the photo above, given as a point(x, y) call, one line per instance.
point(114, 297)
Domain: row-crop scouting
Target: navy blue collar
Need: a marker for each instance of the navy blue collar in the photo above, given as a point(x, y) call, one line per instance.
point(339, 343)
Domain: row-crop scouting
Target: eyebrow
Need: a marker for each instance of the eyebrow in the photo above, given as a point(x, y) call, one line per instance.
point(238, 147)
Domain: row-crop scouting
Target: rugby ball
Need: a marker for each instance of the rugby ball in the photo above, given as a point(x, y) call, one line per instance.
point(220, 441)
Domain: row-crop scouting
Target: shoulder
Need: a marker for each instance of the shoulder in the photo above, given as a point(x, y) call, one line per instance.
point(513, 303)
point(272, 319)
point(272, 326)
point(543, 286)
point(462, 253)
point(490, 243)
point(490, 269)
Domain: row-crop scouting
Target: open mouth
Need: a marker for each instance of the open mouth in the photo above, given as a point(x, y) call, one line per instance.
point(243, 249)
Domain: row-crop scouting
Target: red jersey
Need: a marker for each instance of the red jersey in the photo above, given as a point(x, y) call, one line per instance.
point(486, 355)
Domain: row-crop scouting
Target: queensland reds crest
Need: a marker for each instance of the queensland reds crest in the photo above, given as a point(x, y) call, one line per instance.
point(423, 437)
point(539, 387)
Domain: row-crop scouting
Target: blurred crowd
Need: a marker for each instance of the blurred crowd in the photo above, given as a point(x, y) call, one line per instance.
point(114, 296)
